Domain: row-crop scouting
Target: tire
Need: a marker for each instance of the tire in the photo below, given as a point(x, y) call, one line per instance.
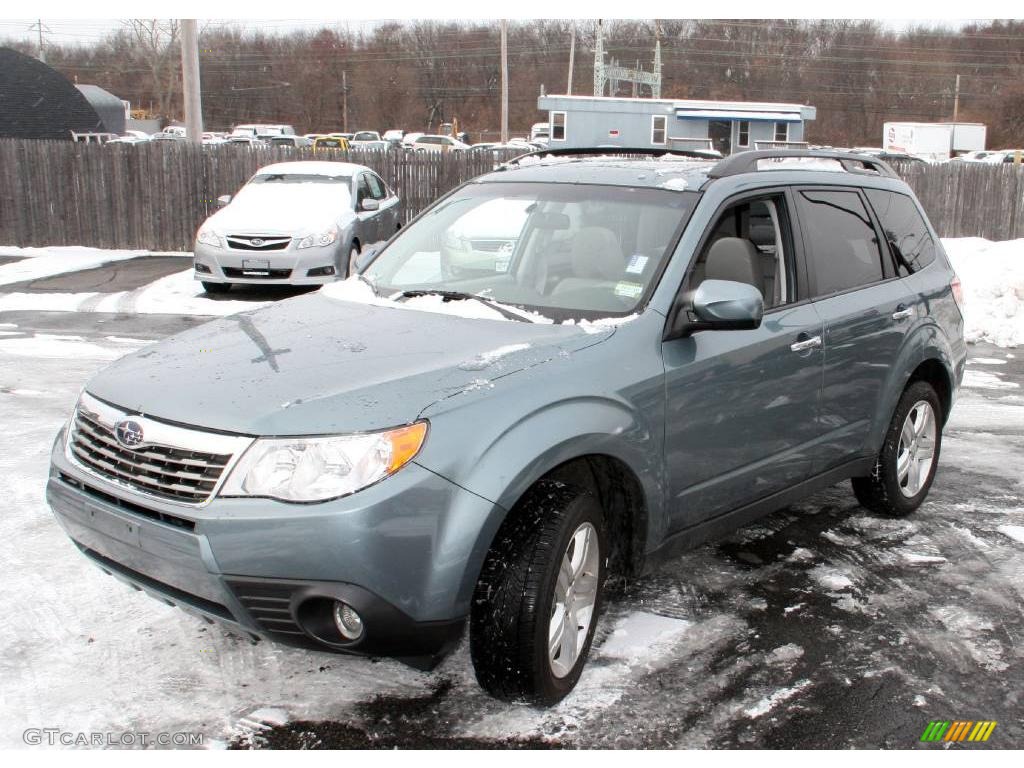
point(216, 287)
point(516, 602)
point(902, 477)
point(353, 254)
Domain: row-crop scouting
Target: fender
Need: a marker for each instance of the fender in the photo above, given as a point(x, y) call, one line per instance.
point(926, 341)
point(508, 463)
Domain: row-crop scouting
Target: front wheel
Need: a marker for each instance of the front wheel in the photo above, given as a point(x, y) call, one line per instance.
point(536, 604)
point(905, 467)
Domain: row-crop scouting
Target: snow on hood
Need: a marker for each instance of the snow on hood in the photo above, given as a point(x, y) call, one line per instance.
point(315, 365)
point(286, 208)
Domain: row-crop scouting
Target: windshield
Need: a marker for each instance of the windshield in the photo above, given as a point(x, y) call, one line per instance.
point(565, 251)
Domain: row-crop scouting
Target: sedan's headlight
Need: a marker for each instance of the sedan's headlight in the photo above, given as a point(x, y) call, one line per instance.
point(324, 238)
point(209, 237)
point(304, 469)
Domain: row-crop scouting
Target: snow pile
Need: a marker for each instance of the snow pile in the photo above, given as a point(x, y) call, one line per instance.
point(46, 262)
point(992, 274)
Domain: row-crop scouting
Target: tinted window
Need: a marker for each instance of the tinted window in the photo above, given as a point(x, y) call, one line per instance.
point(840, 240)
point(905, 230)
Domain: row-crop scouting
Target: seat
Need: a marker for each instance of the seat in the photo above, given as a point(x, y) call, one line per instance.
point(597, 263)
point(737, 259)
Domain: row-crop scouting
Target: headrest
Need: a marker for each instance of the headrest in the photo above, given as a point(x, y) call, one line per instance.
point(733, 258)
point(596, 254)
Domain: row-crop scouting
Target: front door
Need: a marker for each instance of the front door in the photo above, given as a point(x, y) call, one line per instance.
point(720, 133)
point(742, 406)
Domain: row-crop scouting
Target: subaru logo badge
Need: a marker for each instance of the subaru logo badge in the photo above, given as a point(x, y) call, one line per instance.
point(128, 433)
point(257, 241)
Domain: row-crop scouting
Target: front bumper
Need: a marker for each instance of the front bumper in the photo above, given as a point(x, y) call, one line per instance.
point(287, 267)
point(404, 553)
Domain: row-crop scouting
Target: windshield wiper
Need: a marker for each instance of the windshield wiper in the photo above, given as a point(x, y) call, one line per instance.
point(369, 282)
point(463, 296)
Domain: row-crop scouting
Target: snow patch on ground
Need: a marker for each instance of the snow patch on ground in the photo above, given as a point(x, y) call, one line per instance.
point(992, 274)
point(830, 578)
point(768, 703)
point(985, 380)
point(1015, 532)
point(62, 347)
point(46, 262)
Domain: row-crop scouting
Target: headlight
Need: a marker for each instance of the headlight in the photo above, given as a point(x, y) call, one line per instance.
point(209, 237)
point(321, 468)
point(324, 238)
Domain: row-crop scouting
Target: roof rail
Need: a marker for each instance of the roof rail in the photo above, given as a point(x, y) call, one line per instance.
point(698, 154)
point(747, 162)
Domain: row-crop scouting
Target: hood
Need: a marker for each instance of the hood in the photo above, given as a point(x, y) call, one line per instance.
point(285, 208)
point(317, 365)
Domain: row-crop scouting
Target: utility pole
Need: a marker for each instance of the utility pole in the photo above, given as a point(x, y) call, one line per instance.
point(344, 100)
point(40, 28)
point(190, 81)
point(572, 59)
point(504, 81)
point(956, 99)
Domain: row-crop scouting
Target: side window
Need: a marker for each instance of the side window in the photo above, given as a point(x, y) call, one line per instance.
point(364, 189)
point(743, 135)
point(558, 126)
point(658, 128)
point(377, 189)
point(751, 242)
point(905, 230)
point(840, 240)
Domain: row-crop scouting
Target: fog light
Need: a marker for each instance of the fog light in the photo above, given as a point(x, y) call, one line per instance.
point(320, 271)
point(348, 622)
point(202, 268)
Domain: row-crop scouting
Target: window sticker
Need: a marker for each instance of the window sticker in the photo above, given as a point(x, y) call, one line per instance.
point(628, 290)
point(636, 264)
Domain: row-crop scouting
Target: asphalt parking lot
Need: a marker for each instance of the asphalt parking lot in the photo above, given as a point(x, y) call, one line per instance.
point(818, 626)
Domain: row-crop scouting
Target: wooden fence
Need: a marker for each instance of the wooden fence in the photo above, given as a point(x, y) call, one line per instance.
point(155, 196)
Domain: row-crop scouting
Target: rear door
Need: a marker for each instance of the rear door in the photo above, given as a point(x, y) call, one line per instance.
point(742, 406)
point(866, 310)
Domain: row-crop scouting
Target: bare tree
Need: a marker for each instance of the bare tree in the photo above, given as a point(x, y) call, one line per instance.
point(155, 44)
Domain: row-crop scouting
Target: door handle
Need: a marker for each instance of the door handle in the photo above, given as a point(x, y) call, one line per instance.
point(803, 346)
point(902, 313)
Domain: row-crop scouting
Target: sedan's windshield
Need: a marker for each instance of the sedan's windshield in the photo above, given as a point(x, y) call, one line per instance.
point(562, 250)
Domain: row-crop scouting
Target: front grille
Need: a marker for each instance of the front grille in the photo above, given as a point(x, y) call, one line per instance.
point(268, 604)
point(257, 243)
point(152, 514)
point(262, 274)
point(171, 473)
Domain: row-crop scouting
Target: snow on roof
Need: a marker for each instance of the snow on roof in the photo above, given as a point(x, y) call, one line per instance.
point(314, 167)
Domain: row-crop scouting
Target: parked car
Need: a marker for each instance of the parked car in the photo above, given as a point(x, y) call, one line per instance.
point(976, 156)
point(241, 140)
point(346, 136)
point(299, 223)
point(361, 136)
point(262, 129)
point(330, 142)
point(437, 143)
point(378, 146)
point(1005, 156)
point(129, 139)
point(394, 135)
point(296, 142)
point(410, 138)
point(657, 352)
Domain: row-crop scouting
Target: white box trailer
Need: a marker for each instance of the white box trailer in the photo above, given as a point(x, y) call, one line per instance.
point(933, 141)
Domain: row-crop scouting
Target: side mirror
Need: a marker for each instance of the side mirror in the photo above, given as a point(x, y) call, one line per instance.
point(716, 305)
point(223, 200)
point(364, 258)
point(369, 204)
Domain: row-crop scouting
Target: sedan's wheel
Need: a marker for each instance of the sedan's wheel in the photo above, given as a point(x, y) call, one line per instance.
point(536, 604)
point(353, 254)
point(905, 466)
point(216, 287)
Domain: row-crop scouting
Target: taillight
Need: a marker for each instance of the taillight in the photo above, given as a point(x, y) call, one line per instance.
point(958, 291)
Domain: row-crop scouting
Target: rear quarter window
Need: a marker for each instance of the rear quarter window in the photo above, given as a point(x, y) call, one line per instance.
point(905, 230)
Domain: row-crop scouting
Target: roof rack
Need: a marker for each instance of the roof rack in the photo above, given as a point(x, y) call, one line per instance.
point(747, 162)
point(698, 154)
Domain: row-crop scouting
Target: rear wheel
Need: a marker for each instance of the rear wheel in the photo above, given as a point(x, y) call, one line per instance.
point(905, 467)
point(216, 287)
point(536, 604)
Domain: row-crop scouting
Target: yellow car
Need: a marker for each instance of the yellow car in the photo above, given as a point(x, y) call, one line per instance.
point(330, 142)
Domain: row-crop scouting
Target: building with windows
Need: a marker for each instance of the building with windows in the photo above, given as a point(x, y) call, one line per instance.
point(727, 126)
